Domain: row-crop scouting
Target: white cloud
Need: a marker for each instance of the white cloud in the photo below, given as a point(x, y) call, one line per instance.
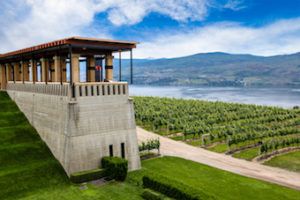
point(131, 12)
point(281, 37)
point(27, 22)
point(36, 21)
point(234, 5)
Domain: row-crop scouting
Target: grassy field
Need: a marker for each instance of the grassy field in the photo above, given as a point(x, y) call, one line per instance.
point(222, 185)
point(290, 161)
point(247, 154)
point(29, 171)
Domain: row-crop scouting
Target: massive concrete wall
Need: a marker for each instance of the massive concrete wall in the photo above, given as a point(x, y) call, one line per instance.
point(79, 132)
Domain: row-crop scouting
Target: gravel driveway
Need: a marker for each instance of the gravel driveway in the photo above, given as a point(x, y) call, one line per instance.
point(246, 168)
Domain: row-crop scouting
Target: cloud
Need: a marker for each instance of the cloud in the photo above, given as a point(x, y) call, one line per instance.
point(281, 37)
point(131, 12)
point(234, 5)
point(27, 22)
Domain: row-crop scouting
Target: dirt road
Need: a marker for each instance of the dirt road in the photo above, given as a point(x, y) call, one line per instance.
point(246, 168)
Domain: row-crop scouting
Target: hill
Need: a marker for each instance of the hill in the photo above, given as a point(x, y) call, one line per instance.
point(29, 171)
point(217, 69)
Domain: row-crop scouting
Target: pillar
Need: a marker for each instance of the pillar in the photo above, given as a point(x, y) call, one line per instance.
point(33, 65)
point(91, 63)
point(17, 71)
point(109, 67)
point(75, 68)
point(9, 72)
point(25, 70)
point(22, 71)
point(52, 71)
point(57, 69)
point(44, 70)
point(64, 69)
point(2, 76)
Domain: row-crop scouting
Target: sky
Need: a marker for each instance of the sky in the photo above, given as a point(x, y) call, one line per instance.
point(163, 28)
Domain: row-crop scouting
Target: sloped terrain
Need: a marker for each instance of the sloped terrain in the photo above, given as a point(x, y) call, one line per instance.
point(28, 170)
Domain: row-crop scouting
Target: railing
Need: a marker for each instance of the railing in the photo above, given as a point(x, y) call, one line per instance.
point(100, 89)
point(78, 89)
point(40, 87)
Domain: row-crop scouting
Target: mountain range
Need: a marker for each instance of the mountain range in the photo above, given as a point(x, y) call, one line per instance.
point(216, 69)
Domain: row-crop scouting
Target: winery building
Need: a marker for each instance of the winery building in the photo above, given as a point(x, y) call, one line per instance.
point(67, 92)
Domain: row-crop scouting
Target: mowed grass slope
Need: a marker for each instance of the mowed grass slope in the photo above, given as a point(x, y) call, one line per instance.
point(28, 170)
point(220, 184)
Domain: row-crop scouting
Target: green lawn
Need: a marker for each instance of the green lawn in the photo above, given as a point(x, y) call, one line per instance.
point(219, 148)
point(221, 184)
point(29, 171)
point(290, 161)
point(247, 154)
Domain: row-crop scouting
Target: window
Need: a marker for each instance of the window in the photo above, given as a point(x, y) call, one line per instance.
point(111, 151)
point(123, 149)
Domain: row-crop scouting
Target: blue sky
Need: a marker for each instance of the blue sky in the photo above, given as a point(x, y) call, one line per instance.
point(252, 13)
point(164, 28)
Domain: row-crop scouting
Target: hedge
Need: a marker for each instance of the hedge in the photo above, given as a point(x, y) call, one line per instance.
point(115, 167)
point(85, 176)
point(152, 195)
point(172, 188)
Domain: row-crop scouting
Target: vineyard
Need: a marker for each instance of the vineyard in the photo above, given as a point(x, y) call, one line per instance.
point(223, 127)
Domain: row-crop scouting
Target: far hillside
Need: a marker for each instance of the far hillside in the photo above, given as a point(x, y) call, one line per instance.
point(217, 69)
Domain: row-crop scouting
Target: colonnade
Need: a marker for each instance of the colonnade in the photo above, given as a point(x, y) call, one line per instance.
point(52, 69)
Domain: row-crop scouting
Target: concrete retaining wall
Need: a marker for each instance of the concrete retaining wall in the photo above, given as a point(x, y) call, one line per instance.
point(79, 131)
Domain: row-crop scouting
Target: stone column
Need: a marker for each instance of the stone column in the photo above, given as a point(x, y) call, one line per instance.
point(109, 67)
point(75, 68)
point(57, 69)
point(52, 71)
point(8, 72)
point(26, 71)
point(90, 64)
point(2, 76)
point(22, 71)
point(64, 69)
point(33, 65)
point(17, 71)
point(44, 69)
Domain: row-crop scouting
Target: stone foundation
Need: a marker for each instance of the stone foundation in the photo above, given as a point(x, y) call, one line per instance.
point(79, 130)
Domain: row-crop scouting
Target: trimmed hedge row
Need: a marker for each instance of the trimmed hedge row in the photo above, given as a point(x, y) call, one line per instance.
point(85, 176)
point(172, 188)
point(152, 195)
point(115, 167)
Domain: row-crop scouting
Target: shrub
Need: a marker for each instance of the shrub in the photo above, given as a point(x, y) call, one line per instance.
point(115, 167)
point(152, 195)
point(172, 188)
point(85, 176)
point(150, 145)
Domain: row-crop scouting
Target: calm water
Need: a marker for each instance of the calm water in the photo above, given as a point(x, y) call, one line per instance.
point(282, 97)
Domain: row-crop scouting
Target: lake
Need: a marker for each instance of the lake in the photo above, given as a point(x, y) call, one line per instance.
point(281, 97)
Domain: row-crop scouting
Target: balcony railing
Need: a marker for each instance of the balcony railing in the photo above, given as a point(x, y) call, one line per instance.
point(100, 89)
point(76, 91)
